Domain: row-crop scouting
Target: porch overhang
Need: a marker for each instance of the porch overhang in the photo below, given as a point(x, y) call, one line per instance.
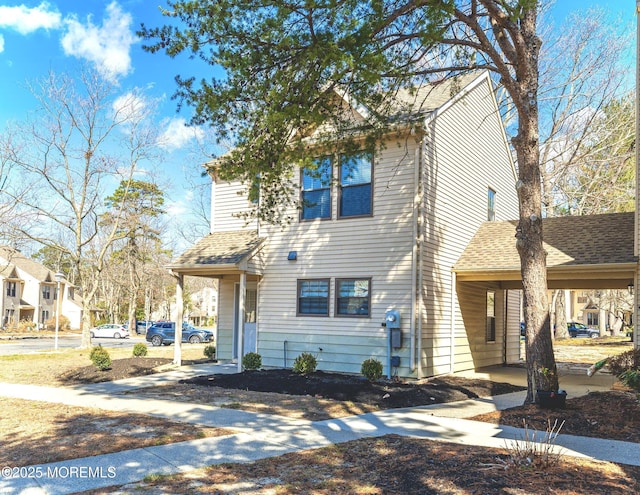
point(222, 253)
point(587, 252)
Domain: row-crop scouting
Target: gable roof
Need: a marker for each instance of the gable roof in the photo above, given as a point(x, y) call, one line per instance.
point(219, 252)
point(30, 266)
point(593, 249)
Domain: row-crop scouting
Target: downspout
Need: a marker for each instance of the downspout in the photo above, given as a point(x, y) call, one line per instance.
point(414, 255)
point(419, 247)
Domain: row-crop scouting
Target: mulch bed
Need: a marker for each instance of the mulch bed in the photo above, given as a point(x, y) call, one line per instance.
point(341, 387)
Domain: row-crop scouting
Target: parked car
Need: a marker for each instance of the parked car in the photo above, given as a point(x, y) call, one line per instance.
point(141, 326)
point(111, 330)
point(164, 333)
point(582, 330)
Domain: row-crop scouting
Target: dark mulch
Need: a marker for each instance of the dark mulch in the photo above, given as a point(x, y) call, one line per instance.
point(384, 394)
point(120, 368)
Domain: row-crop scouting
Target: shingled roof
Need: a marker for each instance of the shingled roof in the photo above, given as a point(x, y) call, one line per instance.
point(219, 250)
point(583, 242)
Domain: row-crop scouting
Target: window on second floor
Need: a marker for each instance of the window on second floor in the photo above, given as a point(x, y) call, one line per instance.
point(46, 292)
point(356, 198)
point(316, 190)
point(11, 289)
point(491, 205)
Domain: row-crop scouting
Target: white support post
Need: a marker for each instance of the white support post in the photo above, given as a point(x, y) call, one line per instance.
point(177, 346)
point(241, 317)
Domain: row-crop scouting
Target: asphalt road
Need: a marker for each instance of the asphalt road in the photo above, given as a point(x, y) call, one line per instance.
point(26, 346)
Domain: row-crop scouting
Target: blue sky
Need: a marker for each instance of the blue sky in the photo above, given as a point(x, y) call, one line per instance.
point(59, 35)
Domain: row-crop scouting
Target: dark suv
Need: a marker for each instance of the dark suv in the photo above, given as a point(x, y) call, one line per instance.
point(164, 333)
point(582, 330)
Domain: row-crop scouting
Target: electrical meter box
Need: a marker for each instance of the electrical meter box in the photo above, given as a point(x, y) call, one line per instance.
point(392, 318)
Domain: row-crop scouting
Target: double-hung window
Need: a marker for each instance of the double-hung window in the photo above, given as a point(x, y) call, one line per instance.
point(46, 292)
point(316, 190)
point(313, 297)
point(356, 197)
point(352, 297)
point(11, 289)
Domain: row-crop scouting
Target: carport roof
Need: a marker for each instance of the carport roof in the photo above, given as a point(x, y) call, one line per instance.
point(581, 250)
point(218, 253)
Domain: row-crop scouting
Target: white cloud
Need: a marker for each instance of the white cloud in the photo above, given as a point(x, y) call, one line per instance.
point(25, 19)
point(130, 106)
point(178, 134)
point(106, 46)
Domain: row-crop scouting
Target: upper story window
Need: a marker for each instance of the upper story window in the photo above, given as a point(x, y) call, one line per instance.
point(491, 205)
point(313, 297)
point(46, 292)
point(356, 198)
point(316, 190)
point(352, 297)
point(11, 289)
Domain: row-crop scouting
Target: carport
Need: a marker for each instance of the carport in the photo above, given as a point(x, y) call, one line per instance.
point(583, 252)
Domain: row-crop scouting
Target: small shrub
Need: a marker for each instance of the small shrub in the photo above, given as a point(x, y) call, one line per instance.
point(252, 361)
point(371, 369)
point(626, 367)
point(210, 352)
point(140, 350)
point(305, 363)
point(63, 323)
point(100, 358)
point(531, 451)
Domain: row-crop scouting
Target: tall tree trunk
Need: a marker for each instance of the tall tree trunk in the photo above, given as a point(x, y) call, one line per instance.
point(541, 365)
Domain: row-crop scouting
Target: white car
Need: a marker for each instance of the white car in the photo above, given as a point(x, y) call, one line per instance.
point(111, 330)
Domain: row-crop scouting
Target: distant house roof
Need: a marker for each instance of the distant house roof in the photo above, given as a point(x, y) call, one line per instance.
point(217, 252)
point(594, 249)
point(32, 267)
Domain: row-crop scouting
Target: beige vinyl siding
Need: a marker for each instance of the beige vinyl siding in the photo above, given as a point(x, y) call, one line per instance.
point(226, 305)
point(465, 154)
point(378, 247)
point(229, 203)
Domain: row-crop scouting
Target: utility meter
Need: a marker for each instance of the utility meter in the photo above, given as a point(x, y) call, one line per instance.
point(392, 318)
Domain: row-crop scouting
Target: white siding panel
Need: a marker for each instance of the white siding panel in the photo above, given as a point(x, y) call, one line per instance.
point(465, 154)
point(230, 202)
point(377, 247)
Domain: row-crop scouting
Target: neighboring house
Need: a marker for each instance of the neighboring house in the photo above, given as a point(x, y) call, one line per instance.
point(31, 291)
point(204, 307)
point(377, 236)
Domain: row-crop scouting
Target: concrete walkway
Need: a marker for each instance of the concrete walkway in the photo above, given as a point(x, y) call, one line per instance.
point(261, 435)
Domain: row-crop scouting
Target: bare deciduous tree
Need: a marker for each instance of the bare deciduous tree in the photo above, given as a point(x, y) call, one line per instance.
point(82, 141)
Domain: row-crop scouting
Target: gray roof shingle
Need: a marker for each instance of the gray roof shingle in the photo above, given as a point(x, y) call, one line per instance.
point(569, 241)
point(220, 248)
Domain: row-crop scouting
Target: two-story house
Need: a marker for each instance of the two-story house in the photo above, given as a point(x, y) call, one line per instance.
point(31, 291)
point(373, 247)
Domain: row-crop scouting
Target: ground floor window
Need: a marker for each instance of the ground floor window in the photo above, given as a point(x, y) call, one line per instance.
point(352, 297)
point(491, 316)
point(593, 320)
point(313, 297)
point(45, 316)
